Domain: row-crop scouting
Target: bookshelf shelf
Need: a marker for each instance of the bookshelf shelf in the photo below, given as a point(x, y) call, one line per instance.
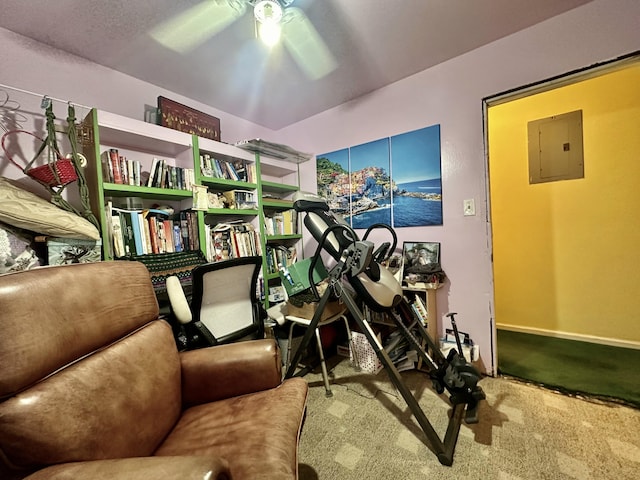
point(233, 211)
point(278, 187)
point(278, 238)
point(117, 190)
point(224, 184)
point(135, 135)
point(277, 203)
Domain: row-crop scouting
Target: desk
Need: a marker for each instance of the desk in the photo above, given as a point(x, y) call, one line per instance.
point(305, 322)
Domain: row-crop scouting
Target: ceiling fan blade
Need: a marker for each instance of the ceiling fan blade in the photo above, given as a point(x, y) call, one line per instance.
point(195, 25)
point(306, 45)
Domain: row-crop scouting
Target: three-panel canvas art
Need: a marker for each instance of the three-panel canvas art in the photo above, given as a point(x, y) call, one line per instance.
point(395, 180)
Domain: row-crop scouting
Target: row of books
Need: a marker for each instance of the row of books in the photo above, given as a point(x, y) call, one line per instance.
point(164, 175)
point(117, 168)
point(232, 240)
point(281, 223)
point(238, 170)
point(151, 231)
point(241, 199)
point(280, 255)
point(419, 309)
point(230, 199)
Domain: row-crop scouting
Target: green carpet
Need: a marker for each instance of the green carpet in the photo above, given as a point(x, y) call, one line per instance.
point(572, 366)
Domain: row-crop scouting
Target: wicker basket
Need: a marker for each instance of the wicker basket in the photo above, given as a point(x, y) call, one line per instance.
point(56, 173)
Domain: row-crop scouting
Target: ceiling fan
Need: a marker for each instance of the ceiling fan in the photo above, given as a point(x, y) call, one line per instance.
point(197, 24)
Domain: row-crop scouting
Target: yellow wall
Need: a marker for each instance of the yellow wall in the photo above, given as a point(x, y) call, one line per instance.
point(567, 253)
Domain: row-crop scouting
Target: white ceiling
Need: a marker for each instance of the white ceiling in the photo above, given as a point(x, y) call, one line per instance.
point(376, 42)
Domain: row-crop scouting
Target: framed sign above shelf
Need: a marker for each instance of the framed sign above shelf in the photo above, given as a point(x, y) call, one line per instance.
point(186, 119)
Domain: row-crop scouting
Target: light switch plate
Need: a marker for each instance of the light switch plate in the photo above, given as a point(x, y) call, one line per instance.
point(469, 207)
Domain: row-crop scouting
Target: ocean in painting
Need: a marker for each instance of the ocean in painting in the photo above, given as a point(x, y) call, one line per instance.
point(416, 212)
point(412, 211)
point(408, 211)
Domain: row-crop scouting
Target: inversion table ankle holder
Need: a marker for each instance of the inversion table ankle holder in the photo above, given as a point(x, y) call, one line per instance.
point(357, 266)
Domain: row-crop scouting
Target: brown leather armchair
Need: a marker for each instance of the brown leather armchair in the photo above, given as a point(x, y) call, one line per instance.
point(92, 386)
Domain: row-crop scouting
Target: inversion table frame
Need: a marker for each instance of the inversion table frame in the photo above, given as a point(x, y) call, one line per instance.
point(452, 373)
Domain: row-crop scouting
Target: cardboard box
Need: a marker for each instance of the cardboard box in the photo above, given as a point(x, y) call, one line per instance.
point(308, 309)
point(295, 279)
point(62, 251)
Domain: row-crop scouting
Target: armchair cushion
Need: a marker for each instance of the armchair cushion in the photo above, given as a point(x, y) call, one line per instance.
point(259, 446)
point(216, 423)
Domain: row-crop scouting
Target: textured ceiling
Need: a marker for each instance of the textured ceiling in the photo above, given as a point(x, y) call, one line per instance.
point(375, 43)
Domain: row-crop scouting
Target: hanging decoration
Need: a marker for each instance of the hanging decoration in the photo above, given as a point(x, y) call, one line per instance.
point(58, 171)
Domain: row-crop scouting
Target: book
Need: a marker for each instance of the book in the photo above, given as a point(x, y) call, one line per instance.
point(146, 231)
point(167, 228)
point(177, 237)
point(127, 232)
point(173, 179)
point(192, 222)
point(152, 171)
point(137, 233)
point(117, 236)
point(287, 222)
point(153, 234)
point(217, 168)
point(131, 174)
point(162, 174)
point(156, 174)
point(124, 171)
point(107, 168)
point(115, 165)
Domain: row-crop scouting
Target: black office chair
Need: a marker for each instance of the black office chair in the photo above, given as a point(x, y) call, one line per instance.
point(224, 307)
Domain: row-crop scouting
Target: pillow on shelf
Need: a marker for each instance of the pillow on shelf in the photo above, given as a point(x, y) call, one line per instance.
point(23, 209)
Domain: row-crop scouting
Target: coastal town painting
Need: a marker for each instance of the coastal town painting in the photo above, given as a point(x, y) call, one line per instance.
point(395, 180)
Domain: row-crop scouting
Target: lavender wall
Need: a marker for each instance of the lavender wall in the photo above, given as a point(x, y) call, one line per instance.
point(449, 94)
point(35, 67)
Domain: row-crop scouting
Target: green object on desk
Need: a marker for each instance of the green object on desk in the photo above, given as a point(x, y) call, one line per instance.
point(295, 277)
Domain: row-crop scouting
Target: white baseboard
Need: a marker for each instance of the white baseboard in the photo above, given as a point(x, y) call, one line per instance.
point(614, 342)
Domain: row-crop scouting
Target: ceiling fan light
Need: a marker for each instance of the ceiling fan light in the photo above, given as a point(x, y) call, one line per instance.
point(269, 33)
point(268, 11)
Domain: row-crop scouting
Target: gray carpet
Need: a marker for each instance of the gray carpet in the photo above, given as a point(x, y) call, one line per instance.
point(525, 432)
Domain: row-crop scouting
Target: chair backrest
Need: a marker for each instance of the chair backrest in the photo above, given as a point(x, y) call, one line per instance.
point(87, 370)
point(225, 299)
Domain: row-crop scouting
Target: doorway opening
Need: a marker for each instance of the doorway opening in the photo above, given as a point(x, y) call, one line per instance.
point(564, 248)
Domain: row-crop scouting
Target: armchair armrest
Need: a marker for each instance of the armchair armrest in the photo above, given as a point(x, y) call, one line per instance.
point(161, 468)
point(230, 370)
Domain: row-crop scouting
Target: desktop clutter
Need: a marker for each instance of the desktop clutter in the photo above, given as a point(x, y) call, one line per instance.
point(299, 302)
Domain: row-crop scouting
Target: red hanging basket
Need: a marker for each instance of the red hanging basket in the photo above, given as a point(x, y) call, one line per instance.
point(56, 173)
